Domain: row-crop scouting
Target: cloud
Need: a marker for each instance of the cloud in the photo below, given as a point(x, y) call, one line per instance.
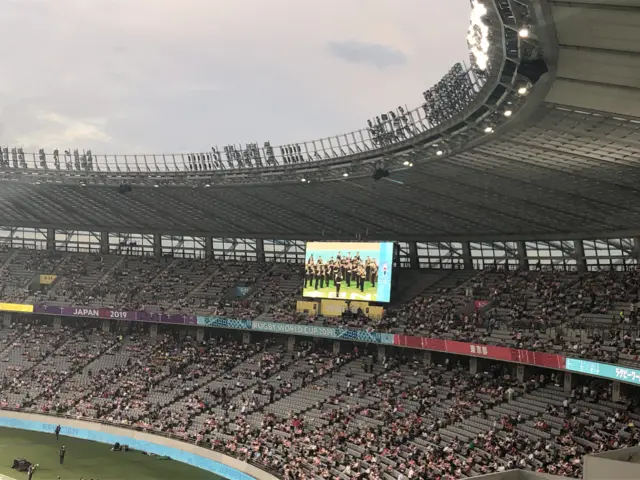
point(150, 76)
point(380, 56)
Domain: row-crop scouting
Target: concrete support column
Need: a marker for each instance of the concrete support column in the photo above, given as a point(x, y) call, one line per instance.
point(466, 256)
point(382, 352)
point(106, 325)
point(615, 392)
point(153, 330)
point(200, 334)
point(520, 373)
point(157, 245)
point(473, 365)
point(636, 248)
point(580, 260)
point(291, 343)
point(568, 382)
point(51, 239)
point(208, 247)
point(427, 358)
point(260, 250)
point(413, 255)
point(6, 319)
point(104, 243)
point(523, 261)
point(246, 338)
point(57, 323)
point(336, 346)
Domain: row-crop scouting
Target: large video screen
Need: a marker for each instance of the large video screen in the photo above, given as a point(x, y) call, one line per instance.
point(348, 271)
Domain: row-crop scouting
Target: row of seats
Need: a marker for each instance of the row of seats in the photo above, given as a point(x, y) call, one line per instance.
point(313, 413)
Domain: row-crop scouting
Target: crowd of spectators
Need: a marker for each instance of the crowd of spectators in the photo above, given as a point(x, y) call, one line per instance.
point(312, 413)
point(589, 314)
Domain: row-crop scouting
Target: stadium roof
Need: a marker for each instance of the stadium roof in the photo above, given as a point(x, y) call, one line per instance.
point(567, 166)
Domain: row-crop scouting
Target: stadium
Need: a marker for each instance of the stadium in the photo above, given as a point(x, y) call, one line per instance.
point(451, 291)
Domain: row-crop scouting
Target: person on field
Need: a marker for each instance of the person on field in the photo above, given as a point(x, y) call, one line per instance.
point(58, 428)
point(63, 451)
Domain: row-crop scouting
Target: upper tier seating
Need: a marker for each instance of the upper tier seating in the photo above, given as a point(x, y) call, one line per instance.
point(592, 315)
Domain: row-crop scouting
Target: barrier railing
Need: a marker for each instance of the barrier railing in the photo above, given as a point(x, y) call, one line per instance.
point(526, 357)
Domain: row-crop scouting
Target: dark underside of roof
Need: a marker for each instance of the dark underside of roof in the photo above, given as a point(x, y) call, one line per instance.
point(561, 175)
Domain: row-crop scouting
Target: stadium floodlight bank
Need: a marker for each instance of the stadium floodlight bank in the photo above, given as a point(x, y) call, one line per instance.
point(467, 104)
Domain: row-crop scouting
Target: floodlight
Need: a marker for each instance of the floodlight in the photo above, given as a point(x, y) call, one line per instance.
point(508, 113)
point(522, 91)
point(345, 174)
point(406, 163)
point(303, 180)
point(439, 152)
point(411, 164)
point(524, 32)
point(488, 130)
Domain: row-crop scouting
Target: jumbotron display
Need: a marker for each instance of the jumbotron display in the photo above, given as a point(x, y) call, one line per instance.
point(348, 271)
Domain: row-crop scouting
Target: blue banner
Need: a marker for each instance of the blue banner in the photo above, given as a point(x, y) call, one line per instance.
point(224, 322)
point(297, 329)
point(604, 370)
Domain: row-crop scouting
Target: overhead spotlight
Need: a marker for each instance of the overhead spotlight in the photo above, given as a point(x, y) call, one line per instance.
point(439, 152)
point(524, 32)
point(522, 91)
point(303, 180)
point(406, 163)
point(156, 186)
point(411, 164)
point(380, 173)
point(508, 113)
point(345, 174)
point(207, 185)
point(488, 130)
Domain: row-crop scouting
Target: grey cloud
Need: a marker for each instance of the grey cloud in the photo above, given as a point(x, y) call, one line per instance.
point(380, 56)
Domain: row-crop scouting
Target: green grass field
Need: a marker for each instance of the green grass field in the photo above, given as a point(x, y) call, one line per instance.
point(87, 460)
point(370, 293)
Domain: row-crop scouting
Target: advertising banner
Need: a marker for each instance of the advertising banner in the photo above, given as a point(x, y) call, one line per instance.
point(604, 370)
point(16, 307)
point(116, 314)
point(540, 359)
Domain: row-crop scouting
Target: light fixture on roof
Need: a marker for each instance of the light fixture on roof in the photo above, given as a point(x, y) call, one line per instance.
point(439, 152)
point(303, 180)
point(522, 91)
point(207, 185)
point(524, 32)
point(508, 113)
point(345, 174)
point(406, 163)
point(156, 186)
point(488, 130)
point(478, 36)
point(411, 164)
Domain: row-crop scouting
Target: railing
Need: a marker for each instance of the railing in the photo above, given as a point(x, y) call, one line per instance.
point(444, 101)
point(152, 431)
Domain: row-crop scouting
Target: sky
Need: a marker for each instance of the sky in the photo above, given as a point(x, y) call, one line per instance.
point(174, 76)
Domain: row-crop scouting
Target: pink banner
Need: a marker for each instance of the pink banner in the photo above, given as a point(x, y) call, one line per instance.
point(480, 304)
point(539, 359)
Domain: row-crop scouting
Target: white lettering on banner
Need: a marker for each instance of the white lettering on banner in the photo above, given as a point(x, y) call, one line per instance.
point(628, 375)
point(118, 314)
point(310, 330)
point(478, 349)
point(86, 312)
